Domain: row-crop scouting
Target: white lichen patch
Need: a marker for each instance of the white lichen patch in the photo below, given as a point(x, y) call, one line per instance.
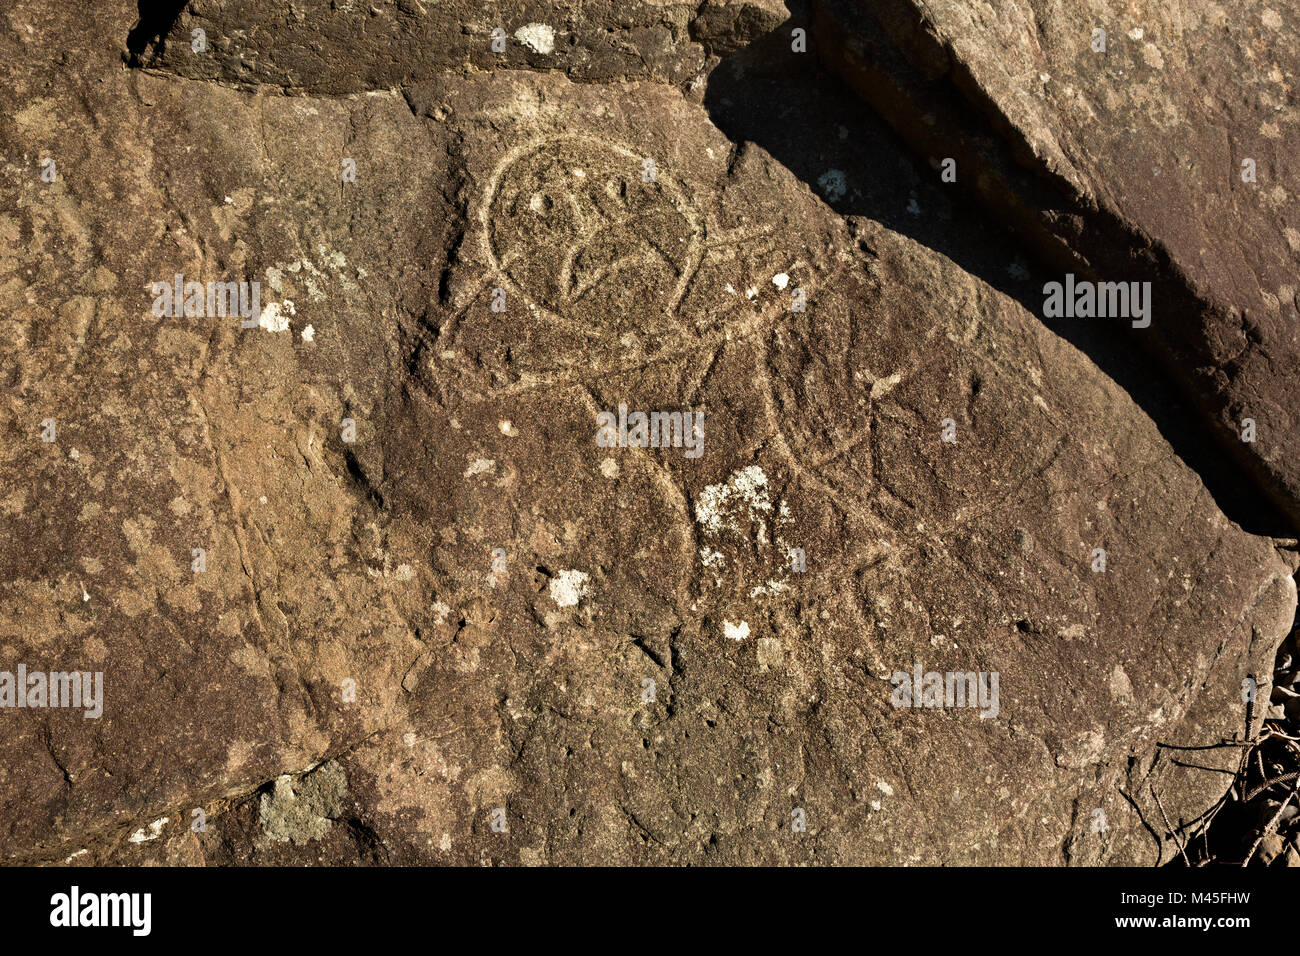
point(735, 632)
point(884, 788)
point(308, 277)
point(738, 521)
point(744, 490)
point(307, 274)
point(273, 316)
point(275, 279)
point(333, 259)
point(478, 466)
point(569, 587)
point(780, 280)
point(155, 828)
point(609, 468)
point(309, 334)
point(538, 37)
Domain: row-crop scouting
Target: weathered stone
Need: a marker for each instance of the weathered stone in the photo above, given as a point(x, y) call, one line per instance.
point(1124, 165)
point(302, 810)
point(497, 587)
point(351, 47)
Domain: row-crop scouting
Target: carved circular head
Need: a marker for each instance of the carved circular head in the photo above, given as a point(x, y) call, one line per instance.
point(591, 231)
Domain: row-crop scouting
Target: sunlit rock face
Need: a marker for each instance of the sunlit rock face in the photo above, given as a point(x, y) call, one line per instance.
point(585, 485)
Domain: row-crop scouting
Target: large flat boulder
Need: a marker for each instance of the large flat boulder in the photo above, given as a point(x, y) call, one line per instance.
point(442, 619)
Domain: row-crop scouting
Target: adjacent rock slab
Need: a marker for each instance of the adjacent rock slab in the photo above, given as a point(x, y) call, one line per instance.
point(440, 622)
point(326, 46)
point(1118, 139)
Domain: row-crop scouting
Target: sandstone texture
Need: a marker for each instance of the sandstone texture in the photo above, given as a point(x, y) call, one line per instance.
point(1127, 142)
point(434, 620)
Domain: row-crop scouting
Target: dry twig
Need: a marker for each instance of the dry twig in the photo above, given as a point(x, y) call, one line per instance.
point(1272, 824)
point(1177, 839)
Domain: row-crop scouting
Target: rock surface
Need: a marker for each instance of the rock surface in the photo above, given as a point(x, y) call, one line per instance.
point(459, 629)
point(330, 47)
point(1148, 142)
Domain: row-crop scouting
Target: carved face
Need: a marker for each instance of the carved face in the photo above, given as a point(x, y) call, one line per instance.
point(584, 227)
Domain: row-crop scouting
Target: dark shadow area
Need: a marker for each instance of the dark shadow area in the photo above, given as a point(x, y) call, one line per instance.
point(156, 20)
point(808, 120)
